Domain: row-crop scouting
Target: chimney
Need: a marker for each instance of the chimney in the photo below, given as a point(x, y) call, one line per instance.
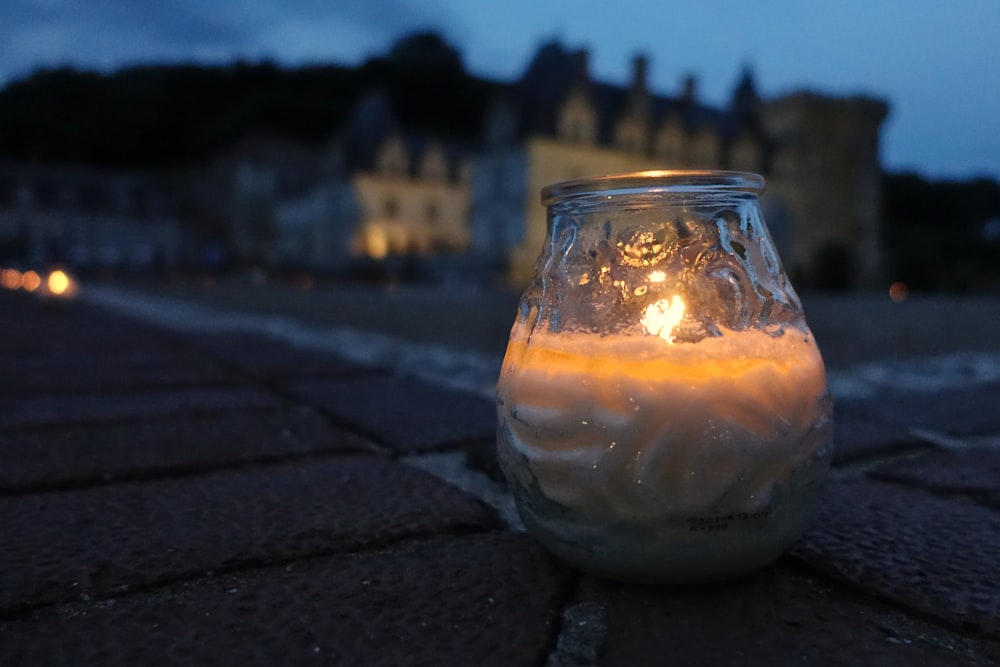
point(581, 66)
point(690, 88)
point(640, 64)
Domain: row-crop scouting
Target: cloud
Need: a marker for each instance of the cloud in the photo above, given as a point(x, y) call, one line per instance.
point(112, 33)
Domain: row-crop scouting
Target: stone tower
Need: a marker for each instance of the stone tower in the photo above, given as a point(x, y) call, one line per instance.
point(823, 200)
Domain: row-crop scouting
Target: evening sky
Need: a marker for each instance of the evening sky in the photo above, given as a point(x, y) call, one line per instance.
point(936, 63)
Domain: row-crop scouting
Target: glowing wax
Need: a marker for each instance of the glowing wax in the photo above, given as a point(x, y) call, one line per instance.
point(673, 461)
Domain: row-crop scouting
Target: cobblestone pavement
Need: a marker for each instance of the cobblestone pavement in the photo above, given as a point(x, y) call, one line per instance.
point(189, 487)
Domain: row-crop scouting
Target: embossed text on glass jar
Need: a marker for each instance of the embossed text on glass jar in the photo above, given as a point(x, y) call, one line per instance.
point(663, 409)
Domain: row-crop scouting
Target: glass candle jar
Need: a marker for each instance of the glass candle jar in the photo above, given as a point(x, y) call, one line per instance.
point(663, 409)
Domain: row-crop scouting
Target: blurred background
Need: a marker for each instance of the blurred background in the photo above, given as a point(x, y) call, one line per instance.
point(236, 153)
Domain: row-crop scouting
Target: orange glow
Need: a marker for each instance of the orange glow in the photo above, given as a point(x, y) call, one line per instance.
point(662, 317)
point(611, 360)
point(59, 284)
point(376, 242)
point(11, 278)
point(31, 281)
point(899, 292)
point(657, 277)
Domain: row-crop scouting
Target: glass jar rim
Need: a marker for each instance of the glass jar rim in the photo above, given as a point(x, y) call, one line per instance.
point(672, 180)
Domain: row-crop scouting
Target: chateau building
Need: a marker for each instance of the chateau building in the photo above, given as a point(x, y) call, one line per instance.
point(380, 188)
point(411, 192)
point(819, 155)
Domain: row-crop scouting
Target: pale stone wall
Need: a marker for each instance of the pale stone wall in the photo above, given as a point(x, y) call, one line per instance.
point(401, 215)
point(550, 160)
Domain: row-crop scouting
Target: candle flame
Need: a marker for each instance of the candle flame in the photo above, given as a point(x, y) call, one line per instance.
point(662, 317)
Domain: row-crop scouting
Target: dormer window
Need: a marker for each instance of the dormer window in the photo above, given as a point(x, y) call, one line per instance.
point(630, 135)
point(434, 167)
point(670, 143)
point(705, 149)
point(578, 119)
point(744, 154)
point(392, 157)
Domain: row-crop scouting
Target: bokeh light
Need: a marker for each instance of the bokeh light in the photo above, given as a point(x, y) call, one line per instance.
point(60, 284)
point(31, 281)
point(11, 278)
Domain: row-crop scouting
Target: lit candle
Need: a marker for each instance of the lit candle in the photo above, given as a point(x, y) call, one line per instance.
point(725, 437)
point(663, 410)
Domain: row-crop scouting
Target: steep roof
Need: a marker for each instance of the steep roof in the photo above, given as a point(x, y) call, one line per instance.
point(555, 71)
point(373, 121)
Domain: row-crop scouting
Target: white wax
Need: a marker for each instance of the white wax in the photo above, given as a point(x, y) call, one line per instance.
point(637, 428)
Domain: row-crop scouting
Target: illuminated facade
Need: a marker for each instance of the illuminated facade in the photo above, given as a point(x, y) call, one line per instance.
point(412, 194)
point(819, 155)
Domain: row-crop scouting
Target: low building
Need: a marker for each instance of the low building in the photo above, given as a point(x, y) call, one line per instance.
point(378, 190)
point(86, 219)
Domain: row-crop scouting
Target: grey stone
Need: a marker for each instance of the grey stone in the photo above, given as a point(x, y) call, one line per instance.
point(964, 411)
point(936, 556)
point(98, 453)
point(104, 540)
point(401, 412)
point(74, 408)
point(972, 471)
point(773, 617)
point(268, 358)
point(862, 430)
point(485, 599)
point(84, 373)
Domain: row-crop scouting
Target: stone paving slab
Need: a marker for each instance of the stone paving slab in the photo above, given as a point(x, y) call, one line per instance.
point(973, 471)
point(482, 600)
point(221, 498)
point(104, 540)
point(74, 408)
point(63, 330)
point(269, 359)
point(964, 411)
point(403, 413)
point(861, 430)
point(482, 455)
point(774, 617)
point(49, 459)
point(937, 556)
point(80, 373)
